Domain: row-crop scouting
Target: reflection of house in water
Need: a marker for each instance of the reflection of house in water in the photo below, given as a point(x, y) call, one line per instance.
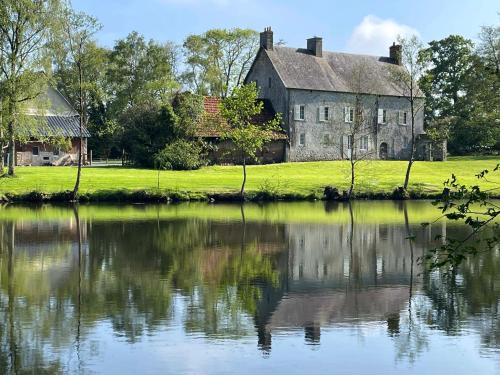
point(342, 273)
point(50, 246)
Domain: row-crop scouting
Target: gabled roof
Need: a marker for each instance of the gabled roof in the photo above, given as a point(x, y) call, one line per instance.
point(58, 126)
point(211, 121)
point(300, 69)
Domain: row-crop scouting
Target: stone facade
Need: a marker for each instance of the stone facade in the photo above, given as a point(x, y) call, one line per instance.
point(313, 135)
point(38, 154)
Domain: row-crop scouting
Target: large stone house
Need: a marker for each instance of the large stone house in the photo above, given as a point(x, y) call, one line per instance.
point(313, 90)
point(51, 117)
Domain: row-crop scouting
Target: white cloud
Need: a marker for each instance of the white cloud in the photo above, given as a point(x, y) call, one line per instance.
point(374, 35)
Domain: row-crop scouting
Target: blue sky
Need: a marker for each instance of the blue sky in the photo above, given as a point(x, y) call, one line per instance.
point(365, 26)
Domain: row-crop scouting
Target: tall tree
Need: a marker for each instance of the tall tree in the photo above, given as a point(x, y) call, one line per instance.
point(218, 60)
point(405, 79)
point(141, 71)
point(79, 53)
point(489, 46)
point(25, 27)
point(249, 136)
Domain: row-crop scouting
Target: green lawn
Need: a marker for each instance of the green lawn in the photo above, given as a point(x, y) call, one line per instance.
point(293, 178)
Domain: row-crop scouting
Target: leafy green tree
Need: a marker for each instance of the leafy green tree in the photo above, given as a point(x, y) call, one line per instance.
point(79, 52)
point(141, 71)
point(489, 46)
point(218, 60)
point(249, 136)
point(25, 32)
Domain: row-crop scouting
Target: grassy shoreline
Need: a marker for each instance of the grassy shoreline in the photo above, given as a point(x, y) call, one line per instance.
point(288, 181)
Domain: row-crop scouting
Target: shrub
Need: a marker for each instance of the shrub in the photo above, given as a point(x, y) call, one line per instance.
point(179, 155)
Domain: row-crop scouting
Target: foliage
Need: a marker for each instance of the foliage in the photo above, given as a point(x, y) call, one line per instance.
point(26, 28)
point(179, 155)
point(470, 205)
point(60, 142)
point(218, 60)
point(239, 110)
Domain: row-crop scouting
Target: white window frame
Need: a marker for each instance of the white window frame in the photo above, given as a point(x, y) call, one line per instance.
point(348, 114)
point(382, 116)
point(302, 139)
point(403, 118)
point(364, 143)
point(324, 113)
point(299, 112)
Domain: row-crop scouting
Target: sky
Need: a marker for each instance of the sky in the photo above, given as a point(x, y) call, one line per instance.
point(358, 26)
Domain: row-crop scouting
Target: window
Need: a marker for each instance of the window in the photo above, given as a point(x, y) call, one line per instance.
point(299, 112)
point(382, 116)
point(326, 139)
point(302, 139)
point(348, 114)
point(324, 114)
point(269, 82)
point(403, 118)
point(405, 142)
point(35, 151)
point(56, 151)
point(364, 143)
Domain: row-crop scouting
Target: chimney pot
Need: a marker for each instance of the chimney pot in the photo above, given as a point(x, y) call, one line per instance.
point(266, 39)
point(315, 45)
point(395, 53)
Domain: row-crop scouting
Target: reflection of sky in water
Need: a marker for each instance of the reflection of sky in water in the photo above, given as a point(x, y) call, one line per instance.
point(184, 295)
point(170, 351)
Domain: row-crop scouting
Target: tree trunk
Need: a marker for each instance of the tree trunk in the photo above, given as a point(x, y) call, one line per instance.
point(353, 177)
point(242, 191)
point(80, 141)
point(12, 148)
point(412, 152)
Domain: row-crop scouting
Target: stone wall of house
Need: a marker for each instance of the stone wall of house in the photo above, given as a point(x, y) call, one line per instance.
point(325, 140)
point(47, 154)
point(223, 152)
point(264, 73)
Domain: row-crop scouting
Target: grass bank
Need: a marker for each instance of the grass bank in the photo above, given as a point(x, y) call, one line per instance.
point(292, 181)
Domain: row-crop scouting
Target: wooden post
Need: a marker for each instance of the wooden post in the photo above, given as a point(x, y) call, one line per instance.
point(90, 160)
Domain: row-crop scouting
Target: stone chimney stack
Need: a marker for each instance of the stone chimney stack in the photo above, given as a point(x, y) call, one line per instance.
point(395, 53)
point(266, 39)
point(315, 46)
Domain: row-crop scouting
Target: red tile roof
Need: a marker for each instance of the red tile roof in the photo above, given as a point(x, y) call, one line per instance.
point(212, 121)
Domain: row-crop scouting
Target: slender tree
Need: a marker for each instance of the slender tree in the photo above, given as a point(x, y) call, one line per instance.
point(360, 131)
point(25, 29)
point(77, 48)
point(249, 136)
point(405, 79)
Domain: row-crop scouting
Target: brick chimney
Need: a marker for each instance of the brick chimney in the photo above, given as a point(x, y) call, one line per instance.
point(395, 53)
point(266, 39)
point(315, 46)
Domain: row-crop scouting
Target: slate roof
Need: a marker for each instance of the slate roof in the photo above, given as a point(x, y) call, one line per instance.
point(65, 126)
point(212, 122)
point(300, 69)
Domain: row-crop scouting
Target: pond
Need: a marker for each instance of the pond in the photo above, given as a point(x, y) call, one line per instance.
point(222, 289)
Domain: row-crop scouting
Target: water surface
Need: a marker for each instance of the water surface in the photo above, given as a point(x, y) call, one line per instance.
point(221, 289)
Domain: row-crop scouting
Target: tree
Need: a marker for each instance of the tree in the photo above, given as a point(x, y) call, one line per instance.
point(445, 82)
point(141, 71)
point(78, 48)
point(239, 110)
point(25, 28)
point(219, 59)
point(489, 46)
point(360, 126)
point(405, 79)
point(473, 207)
